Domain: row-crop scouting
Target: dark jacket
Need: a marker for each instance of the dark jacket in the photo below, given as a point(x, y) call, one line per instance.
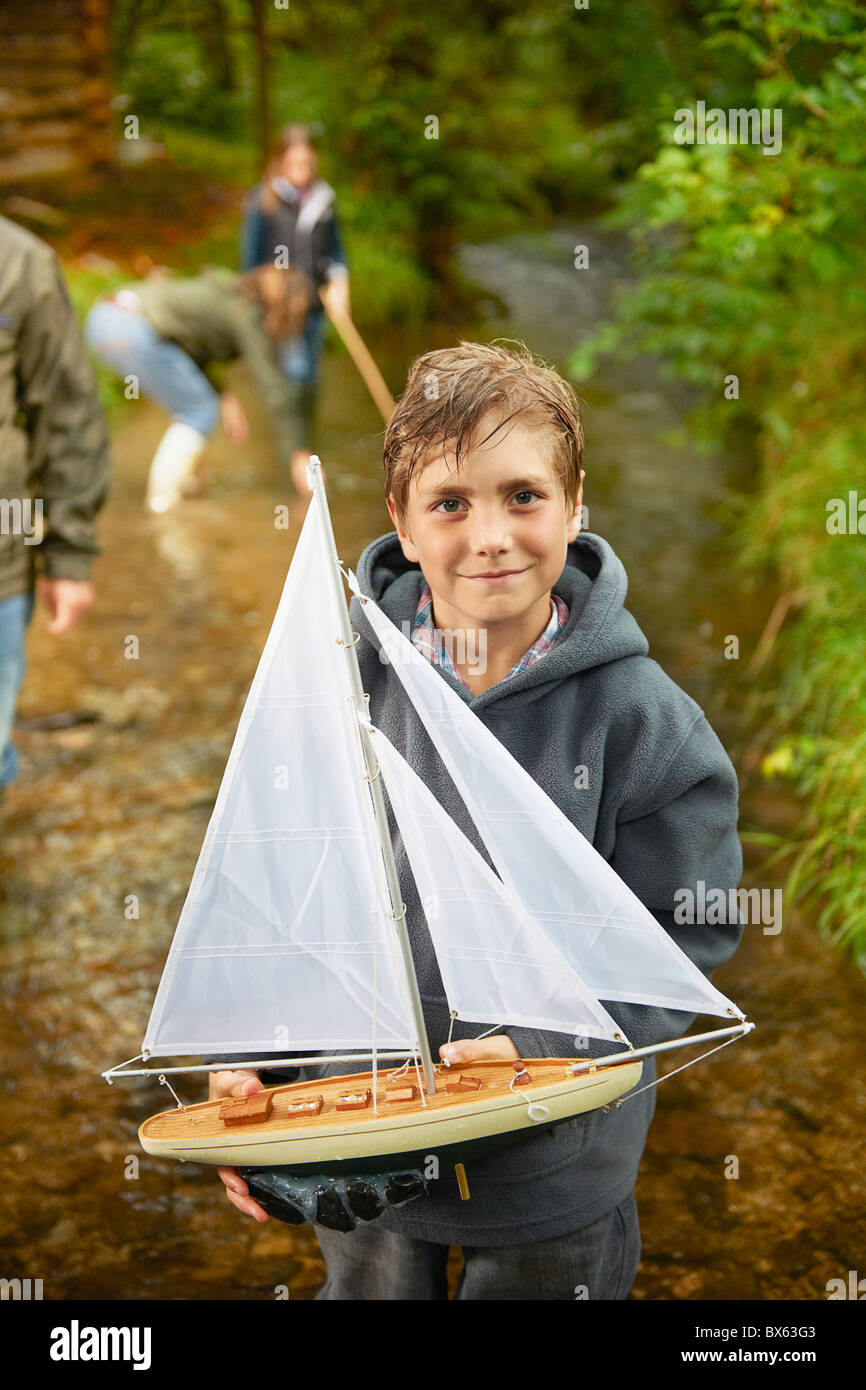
point(53, 440)
point(310, 232)
point(660, 806)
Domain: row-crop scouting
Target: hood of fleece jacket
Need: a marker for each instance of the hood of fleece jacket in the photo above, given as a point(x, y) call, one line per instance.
point(593, 584)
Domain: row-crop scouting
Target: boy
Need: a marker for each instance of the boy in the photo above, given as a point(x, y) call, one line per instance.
point(484, 484)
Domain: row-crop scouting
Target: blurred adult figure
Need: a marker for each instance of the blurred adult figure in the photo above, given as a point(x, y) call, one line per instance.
point(168, 331)
point(54, 461)
point(291, 219)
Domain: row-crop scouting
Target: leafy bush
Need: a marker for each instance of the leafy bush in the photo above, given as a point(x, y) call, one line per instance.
point(168, 84)
point(754, 266)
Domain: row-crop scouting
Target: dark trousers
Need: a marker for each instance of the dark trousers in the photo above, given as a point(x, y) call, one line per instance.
point(599, 1262)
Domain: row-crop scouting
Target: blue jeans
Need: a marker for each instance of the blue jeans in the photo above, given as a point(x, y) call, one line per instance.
point(128, 344)
point(15, 614)
point(299, 356)
point(599, 1262)
point(299, 360)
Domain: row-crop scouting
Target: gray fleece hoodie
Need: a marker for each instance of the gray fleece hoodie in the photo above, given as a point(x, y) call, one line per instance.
point(659, 804)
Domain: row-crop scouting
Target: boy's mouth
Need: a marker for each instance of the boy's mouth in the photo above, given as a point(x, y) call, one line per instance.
point(489, 576)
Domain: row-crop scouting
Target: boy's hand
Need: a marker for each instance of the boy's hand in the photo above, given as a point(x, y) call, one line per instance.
point(492, 1049)
point(236, 1083)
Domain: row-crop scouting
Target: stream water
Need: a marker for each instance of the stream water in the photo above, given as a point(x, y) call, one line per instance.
point(116, 808)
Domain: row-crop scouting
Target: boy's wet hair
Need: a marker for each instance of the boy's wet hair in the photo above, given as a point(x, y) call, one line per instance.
point(450, 390)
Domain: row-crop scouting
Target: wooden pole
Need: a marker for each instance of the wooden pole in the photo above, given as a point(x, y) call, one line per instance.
point(362, 358)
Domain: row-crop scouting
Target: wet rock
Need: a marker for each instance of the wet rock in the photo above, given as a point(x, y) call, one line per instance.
point(689, 1286)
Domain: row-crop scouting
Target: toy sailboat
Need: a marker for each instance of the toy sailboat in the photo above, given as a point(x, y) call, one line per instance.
point(292, 941)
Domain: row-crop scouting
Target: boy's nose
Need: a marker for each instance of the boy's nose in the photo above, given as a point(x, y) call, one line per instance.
point(494, 551)
point(490, 536)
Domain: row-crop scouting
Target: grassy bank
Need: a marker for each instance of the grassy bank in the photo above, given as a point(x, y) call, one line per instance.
point(752, 286)
point(808, 710)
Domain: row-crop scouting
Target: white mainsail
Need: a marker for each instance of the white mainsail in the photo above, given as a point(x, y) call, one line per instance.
point(285, 940)
point(497, 965)
point(595, 921)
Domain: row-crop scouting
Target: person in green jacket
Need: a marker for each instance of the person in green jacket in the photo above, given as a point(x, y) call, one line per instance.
point(163, 334)
point(54, 461)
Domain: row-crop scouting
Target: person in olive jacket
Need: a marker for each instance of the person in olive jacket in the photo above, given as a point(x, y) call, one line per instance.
point(166, 332)
point(54, 460)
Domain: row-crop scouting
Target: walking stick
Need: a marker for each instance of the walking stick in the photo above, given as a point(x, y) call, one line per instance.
point(360, 355)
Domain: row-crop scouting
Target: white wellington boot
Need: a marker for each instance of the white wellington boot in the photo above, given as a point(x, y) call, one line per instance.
point(173, 465)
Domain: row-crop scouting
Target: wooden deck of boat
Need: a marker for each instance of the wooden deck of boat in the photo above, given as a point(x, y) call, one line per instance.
point(203, 1120)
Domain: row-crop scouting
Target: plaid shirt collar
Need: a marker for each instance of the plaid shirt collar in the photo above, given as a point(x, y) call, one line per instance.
point(429, 643)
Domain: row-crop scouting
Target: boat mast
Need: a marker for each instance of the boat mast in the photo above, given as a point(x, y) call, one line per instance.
point(394, 891)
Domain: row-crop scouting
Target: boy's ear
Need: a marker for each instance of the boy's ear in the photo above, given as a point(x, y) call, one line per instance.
point(405, 538)
point(574, 520)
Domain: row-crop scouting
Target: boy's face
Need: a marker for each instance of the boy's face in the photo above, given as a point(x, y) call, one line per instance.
point(504, 510)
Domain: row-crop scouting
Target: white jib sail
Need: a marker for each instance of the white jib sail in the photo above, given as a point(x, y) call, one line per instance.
point(591, 916)
point(497, 965)
point(285, 941)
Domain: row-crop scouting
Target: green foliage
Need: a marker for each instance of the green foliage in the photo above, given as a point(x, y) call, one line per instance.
point(230, 162)
point(754, 266)
point(169, 85)
point(540, 107)
point(378, 78)
point(431, 116)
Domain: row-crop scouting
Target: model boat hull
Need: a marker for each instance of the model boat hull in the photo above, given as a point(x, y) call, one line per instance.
point(454, 1127)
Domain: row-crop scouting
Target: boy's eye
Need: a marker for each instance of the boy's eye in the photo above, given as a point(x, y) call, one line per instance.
point(526, 493)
